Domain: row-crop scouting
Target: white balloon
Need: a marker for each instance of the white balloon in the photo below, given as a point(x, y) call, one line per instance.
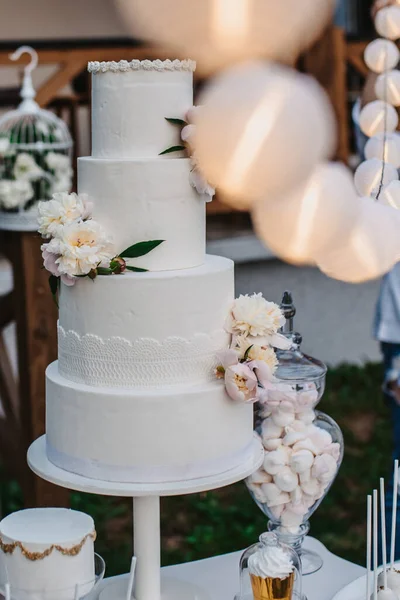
point(251, 140)
point(390, 195)
point(372, 174)
point(301, 224)
point(386, 147)
point(219, 33)
point(377, 117)
point(372, 248)
point(381, 55)
point(387, 22)
point(387, 87)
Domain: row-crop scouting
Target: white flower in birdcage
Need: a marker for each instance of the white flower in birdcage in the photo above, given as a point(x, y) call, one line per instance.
point(15, 193)
point(35, 157)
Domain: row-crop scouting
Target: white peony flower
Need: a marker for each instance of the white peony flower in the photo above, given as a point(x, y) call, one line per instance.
point(15, 194)
point(4, 145)
point(199, 182)
point(59, 162)
point(81, 246)
point(254, 316)
point(61, 210)
point(25, 167)
point(260, 353)
point(42, 127)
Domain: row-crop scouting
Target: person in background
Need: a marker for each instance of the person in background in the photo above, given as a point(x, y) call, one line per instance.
point(387, 315)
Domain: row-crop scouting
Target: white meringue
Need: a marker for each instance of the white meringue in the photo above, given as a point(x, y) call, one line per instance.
point(275, 460)
point(300, 508)
point(324, 468)
point(259, 476)
point(287, 406)
point(298, 425)
point(305, 476)
point(277, 511)
point(273, 495)
point(270, 431)
point(286, 480)
point(272, 444)
point(297, 495)
point(291, 521)
point(292, 437)
point(307, 398)
point(257, 491)
point(282, 418)
point(334, 450)
point(319, 437)
point(306, 444)
point(312, 488)
point(307, 416)
point(301, 460)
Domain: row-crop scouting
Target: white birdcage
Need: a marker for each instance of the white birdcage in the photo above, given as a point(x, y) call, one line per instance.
point(35, 156)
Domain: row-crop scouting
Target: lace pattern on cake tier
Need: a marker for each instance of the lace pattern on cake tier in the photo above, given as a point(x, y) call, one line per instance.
point(141, 65)
point(146, 362)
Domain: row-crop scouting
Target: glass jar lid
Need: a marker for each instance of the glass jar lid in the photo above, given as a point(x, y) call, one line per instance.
point(294, 365)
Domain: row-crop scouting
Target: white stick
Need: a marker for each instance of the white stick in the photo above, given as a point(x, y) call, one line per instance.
point(76, 592)
point(369, 545)
point(7, 590)
point(394, 513)
point(131, 578)
point(375, 541)
point(383, 532)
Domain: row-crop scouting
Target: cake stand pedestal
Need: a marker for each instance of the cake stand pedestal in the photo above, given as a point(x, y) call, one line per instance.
point(149, 585)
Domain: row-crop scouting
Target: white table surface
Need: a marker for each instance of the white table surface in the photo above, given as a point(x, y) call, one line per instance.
point(220, 575)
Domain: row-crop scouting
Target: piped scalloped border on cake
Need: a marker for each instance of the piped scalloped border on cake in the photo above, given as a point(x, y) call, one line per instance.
point(141, 65)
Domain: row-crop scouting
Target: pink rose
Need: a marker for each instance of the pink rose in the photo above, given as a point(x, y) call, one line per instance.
point(187, 133)
point(190, 116)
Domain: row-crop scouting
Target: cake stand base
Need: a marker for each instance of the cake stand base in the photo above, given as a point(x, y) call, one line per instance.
point(40, 464)
point(171, 589)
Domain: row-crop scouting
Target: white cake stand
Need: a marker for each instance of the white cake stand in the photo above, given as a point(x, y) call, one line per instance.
point(146, 519)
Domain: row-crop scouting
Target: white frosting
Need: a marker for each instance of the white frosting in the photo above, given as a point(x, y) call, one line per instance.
point(155, 318)
point(56, 575)
point(140, 200)
point(271, 561)
point(145, 436)
point(129, 110)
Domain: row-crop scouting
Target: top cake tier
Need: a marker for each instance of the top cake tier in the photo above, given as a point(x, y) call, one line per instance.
point(130, 103)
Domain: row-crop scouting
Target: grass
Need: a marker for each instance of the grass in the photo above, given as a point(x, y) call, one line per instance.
point(203, 525)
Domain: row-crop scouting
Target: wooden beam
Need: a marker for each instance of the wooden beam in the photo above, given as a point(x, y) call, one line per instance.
point(51, 88)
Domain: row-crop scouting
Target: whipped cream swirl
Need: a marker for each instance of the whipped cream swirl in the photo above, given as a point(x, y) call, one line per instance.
point(271, 562)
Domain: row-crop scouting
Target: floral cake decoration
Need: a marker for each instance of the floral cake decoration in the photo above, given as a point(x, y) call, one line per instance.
point(77, 245)
point(188, 129)
point(249, 364)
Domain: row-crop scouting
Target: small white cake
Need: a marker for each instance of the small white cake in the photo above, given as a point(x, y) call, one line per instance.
point(46, 552)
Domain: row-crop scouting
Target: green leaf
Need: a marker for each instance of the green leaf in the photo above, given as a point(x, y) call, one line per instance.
point(173, 149)
point(103, 271)
point(179, 122)
point(140, 249)
point(246, 354)
point(54, 283)
point(136, 269)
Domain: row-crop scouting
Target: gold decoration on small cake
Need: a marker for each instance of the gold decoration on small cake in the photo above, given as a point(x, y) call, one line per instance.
point(73, 551)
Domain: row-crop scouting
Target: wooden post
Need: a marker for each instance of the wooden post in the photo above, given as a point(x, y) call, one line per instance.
point(327, 62)
point(36, 317)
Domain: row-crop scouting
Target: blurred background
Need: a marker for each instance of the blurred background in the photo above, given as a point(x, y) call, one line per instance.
point(335, 318)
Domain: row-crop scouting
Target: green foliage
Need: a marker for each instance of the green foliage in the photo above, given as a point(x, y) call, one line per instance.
point(203, 525)
point(140, 249)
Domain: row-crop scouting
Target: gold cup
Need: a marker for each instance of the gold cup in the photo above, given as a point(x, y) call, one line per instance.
point(272, 588)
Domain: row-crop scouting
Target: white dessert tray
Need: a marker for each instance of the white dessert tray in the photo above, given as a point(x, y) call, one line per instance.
point(40, 465)
point(356, 590)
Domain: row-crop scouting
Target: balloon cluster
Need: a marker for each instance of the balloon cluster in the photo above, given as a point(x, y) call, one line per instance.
point(265, 131)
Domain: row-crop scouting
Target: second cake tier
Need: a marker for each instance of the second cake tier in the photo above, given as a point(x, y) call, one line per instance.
point(146, 329)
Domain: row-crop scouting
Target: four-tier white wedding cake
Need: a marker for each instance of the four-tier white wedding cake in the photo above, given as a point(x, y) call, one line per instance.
point(133, 396)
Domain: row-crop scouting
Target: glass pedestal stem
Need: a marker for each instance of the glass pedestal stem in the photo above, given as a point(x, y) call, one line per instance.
point(311, 562)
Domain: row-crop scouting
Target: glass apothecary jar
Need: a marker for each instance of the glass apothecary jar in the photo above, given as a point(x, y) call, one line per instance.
point(303, 447)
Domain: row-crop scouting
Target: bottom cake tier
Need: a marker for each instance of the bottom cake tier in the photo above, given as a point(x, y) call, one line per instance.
point(123, 435)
